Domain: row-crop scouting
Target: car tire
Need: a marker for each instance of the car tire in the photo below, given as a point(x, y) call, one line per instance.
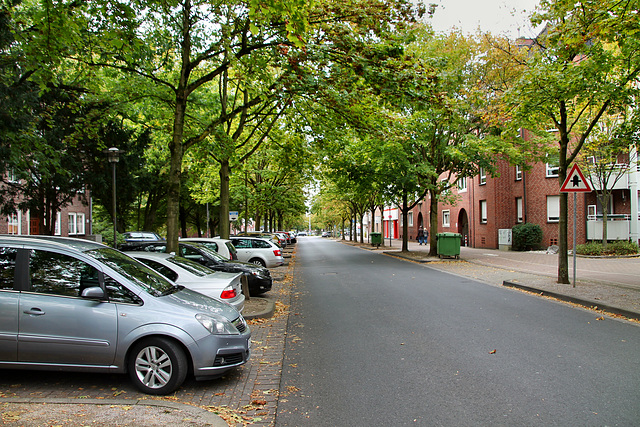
point(258, 261)
point(157, 366)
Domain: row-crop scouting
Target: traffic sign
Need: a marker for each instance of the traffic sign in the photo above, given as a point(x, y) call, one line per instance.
point(575, 182)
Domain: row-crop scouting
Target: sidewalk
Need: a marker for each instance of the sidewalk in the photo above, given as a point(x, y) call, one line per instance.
point(604, 283)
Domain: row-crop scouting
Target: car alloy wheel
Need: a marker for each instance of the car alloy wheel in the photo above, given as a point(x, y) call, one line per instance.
point(157, 366)
point(258, 261)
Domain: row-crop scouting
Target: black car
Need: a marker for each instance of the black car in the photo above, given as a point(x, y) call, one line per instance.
point(137, 238)
point(258, 278)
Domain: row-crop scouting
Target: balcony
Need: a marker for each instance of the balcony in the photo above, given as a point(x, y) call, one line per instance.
point(618, 227)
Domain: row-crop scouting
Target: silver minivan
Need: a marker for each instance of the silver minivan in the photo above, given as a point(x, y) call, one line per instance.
point(70, 304)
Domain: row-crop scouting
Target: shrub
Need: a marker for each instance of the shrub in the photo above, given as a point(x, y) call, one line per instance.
point(526, 237)
point(619, 247)
point(590, 248)
point(622, 247)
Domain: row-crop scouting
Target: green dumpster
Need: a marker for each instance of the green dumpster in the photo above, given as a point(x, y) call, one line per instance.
point(376, 239)
point(448, 244)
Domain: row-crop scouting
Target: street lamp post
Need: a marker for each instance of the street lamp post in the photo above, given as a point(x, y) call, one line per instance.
point(114, 157)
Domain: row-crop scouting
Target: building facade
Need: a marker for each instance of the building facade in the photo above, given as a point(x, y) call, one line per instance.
point(486, 208)
point(74, 220)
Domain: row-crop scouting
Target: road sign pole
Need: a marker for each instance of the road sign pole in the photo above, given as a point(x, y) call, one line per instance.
point(575, 221)
point(575, 183)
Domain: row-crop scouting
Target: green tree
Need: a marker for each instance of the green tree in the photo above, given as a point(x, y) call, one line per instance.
point(49, 157)
point(175, 56)
point(605, 159)
point(581, 67)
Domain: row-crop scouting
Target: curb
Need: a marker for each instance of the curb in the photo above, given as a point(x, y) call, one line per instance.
point(594, 305)
point(203, 415)
point(261, 312)
point(420, 260)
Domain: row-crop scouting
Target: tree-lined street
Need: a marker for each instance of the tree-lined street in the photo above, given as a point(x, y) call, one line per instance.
point(374, 340)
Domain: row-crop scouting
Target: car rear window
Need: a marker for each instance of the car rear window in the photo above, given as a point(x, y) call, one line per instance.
point(242, 243)
point(262, 244)
point(231, 248)
point(191, 266)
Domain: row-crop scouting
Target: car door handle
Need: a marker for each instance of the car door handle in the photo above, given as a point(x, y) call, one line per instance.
point(34, 311)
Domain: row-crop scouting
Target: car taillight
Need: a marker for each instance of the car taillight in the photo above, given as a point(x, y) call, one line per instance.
point(228, 294)
point(277, 252)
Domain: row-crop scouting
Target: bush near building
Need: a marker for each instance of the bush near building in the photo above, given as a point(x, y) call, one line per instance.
point(621, 247)
point(526, 237)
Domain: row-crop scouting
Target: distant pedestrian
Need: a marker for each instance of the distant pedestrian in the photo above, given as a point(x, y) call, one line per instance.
point(421, 236)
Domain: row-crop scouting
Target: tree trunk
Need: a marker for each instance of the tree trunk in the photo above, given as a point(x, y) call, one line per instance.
point(176, 149)
point(433, 224)
point(183, 222)
point(605, 218)
point(563, 244)
point(225, 172)
point(405, 227)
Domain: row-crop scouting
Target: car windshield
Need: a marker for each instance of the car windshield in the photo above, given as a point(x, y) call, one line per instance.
point(191, 266)
point(143, 276)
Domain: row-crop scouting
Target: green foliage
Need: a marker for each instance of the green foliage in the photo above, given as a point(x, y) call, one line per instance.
point(526, 236)
point(621, 247)
point(104, 228)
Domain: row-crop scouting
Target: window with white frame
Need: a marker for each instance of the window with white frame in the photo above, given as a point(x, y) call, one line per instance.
point(446, 218)
point(552, 170)
point(462, 184)
point(483, 211)
point(58, 230)
point(519, 210)
point(80, 217)
point(553, 208)
point(73, 225)
point(410, 219)
point(13, 224)
point(518, 173)
point(483, 176)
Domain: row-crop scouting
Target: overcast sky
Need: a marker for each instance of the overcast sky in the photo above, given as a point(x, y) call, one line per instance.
point(507, 17)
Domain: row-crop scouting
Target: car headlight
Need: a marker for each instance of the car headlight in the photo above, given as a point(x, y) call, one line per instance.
point(217, 326)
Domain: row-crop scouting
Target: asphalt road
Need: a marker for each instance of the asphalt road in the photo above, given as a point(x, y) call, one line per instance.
point(376, 341)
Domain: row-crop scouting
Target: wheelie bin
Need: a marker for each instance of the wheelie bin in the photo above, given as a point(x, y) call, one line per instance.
point(376, 239)
point(448, 244)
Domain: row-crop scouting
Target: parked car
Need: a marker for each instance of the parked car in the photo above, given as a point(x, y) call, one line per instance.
point(223, 286)
point(258, 278)
point(132, 238)
point(258, 251)
point(77, 305)
point(223, 246)
point(288, 236)
point(271, 236)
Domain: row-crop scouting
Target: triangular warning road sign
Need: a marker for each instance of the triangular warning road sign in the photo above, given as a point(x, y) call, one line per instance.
point(575, 182)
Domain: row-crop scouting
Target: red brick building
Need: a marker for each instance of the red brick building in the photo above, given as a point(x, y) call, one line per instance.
point(72, 221)
point(485, 205)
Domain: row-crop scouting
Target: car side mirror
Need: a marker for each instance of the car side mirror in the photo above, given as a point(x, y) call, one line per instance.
point(94, 292)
